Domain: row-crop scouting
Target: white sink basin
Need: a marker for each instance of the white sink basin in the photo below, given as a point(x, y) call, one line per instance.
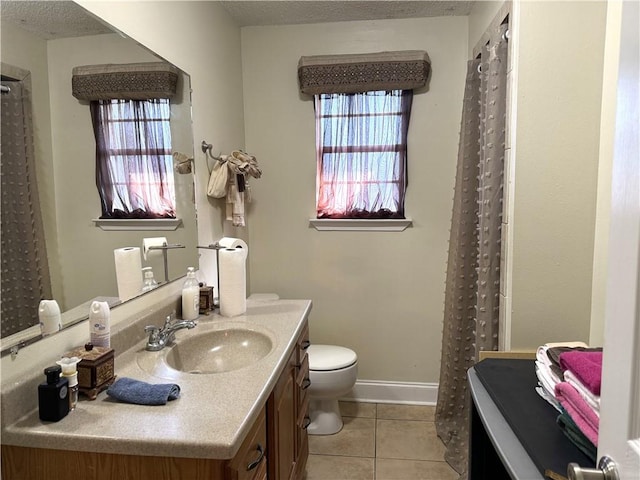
point(209, 349)
point(219, 351)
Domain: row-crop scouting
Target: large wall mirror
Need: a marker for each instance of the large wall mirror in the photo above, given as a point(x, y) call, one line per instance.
point(42, 41)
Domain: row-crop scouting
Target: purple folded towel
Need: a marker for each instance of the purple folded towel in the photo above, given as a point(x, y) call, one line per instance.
point(134, 391)
point(587, 366)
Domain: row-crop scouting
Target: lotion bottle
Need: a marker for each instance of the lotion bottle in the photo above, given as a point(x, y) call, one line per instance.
point(190, 296)
point(53, 396)
point(100, 324)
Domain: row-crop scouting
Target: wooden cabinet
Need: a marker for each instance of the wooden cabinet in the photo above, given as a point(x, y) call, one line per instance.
point(288, 416)
point(21, 463)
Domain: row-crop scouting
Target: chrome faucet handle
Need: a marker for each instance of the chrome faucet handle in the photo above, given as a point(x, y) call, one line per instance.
point(151, 330)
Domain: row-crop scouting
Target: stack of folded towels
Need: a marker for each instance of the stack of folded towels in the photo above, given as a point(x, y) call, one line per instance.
point(569, 376)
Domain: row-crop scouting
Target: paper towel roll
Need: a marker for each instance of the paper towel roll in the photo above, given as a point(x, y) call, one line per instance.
point(128, 272)
point(230, 242)
point(233, 282)
point(152, 242)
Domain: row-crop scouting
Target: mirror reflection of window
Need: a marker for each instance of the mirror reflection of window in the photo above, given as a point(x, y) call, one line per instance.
point(134, 166)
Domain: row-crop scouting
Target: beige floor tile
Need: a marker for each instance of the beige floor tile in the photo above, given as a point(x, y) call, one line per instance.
point(358, 409)
point(356, 439)
point(331, 467)
point(408, 440)
point(406, 412)
point(413, 470)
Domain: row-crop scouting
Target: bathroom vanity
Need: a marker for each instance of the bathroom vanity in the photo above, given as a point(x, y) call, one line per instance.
point(245, 423)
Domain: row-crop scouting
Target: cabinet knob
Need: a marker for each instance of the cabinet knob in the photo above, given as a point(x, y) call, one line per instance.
point(306, 383)
point(257, 461)
point(305, 344)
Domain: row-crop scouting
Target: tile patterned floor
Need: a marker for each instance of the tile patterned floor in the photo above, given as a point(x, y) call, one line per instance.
point(380, 442)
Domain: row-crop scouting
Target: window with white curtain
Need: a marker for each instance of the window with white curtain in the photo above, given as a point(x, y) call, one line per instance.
point(134, 166)
point(361, 148)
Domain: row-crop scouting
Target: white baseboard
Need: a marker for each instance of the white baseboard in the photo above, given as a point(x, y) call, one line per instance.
point(411, 393)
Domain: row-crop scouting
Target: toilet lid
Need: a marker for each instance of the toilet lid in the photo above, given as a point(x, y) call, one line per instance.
point(330, 357)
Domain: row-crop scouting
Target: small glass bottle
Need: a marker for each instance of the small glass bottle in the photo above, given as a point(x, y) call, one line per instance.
point(69, 368)
point(53, 396)
point(149, 280)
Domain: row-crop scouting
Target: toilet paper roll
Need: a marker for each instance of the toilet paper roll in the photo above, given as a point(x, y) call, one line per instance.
point(147, 243)
point(233, 282)
point(230, 242)
point(128, 272)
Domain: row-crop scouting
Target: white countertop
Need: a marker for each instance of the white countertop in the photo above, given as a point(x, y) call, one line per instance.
point(209, 420)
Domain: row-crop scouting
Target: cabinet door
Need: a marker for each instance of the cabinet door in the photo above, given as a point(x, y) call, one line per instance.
point(281, 422)
point(250, 461)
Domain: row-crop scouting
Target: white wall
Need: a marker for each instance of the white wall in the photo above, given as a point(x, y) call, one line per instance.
point(482, 13)
point(379, 293)
point(559, 87)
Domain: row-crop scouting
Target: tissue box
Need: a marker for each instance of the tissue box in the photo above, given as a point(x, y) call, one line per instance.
point(95, 369)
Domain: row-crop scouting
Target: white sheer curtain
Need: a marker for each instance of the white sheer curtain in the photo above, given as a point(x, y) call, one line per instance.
point(134, 167)
point(362, 154)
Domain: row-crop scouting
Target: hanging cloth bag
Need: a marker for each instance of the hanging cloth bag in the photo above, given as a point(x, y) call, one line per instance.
point(217, 187)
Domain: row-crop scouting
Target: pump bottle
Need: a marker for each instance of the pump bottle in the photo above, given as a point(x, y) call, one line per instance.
point(190, 296)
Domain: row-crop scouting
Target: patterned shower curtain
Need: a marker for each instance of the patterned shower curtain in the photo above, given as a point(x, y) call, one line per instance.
point(25, 272)
point(472, 294)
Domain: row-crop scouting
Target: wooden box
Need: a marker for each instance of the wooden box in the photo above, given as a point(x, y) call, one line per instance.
point(95, 369)
point(206, 299)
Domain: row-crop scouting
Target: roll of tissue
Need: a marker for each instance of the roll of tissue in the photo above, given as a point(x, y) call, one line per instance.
point(147, 243)
point(128, 272)
point(230, 242)
point(233, 282)
point(49, 316)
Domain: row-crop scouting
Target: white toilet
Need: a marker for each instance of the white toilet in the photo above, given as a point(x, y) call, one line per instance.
point(333, 371)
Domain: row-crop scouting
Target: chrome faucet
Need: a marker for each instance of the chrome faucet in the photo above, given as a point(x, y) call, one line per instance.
point(161, 337)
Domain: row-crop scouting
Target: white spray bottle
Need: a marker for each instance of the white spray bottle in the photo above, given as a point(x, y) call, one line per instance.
point(49, 316)
point(100, 324)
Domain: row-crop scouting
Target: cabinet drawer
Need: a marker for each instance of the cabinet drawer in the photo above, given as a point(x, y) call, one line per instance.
point(302, 375)
point(250, 461)
point(303, 343)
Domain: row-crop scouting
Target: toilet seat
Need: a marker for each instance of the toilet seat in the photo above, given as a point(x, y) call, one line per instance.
point(330, 357)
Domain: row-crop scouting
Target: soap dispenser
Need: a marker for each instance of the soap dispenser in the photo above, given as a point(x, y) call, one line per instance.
point(53, 396)
point(149, 280)
point(190, 296)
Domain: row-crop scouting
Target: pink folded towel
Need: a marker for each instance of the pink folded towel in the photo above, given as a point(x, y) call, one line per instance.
point(579, 411)
point(587, 366)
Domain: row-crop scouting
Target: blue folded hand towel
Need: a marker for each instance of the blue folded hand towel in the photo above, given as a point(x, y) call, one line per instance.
point(134, 391)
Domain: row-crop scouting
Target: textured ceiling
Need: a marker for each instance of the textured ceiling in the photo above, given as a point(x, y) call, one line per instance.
point(58, 19)
point(52, 19)
point(275, 12)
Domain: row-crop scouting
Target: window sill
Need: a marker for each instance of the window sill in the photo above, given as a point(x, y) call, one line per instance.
point(138, 224)
point(375, 225)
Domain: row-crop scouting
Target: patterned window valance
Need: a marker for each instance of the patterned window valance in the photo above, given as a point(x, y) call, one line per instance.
point(402, 70)
point(130, 81)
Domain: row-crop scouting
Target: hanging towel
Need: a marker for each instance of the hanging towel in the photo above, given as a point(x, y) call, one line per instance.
point(586, 366)
point(581, 413)
point(129, 390)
